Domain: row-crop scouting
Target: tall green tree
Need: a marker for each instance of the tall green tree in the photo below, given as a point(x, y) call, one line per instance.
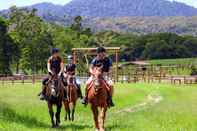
point(33, 36)
point(7, 48)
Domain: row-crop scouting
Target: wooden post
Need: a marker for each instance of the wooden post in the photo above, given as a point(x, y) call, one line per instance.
point(3, 81)
point(116, 75)
point(33, 79)
point(22, 78)
point(74, 57)
point(185, 80)
point(12, 80)
point(171, 79)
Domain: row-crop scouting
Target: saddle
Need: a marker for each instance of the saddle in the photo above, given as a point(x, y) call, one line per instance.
point(98, 84)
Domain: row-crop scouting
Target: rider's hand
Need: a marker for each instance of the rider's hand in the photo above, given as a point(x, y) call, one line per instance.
point(50, 72)
point(59, 74)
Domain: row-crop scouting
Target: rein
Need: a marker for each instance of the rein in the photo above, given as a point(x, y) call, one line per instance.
point(55, 86)
point(70, 81)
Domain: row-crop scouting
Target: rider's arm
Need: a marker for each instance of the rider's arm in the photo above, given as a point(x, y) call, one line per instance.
point(61, 68)
point(91, 69)
point(49, 67)
point(110, 67)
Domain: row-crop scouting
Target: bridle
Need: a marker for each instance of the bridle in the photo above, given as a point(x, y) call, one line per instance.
point(70, 85)
point(97, 79)
point(54, 85)
point(70, 79)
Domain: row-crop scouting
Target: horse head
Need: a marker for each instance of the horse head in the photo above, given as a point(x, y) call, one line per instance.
point(54, 86)
point(70, 80)
point(97, 78)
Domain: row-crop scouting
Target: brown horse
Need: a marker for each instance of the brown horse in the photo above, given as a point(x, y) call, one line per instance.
point(55, 94)
point(97, 97)
point(72, 97)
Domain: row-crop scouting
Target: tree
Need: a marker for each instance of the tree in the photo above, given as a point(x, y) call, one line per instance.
point(7, 48)
point(34, 38)
point(191, 45)
point(77, 25)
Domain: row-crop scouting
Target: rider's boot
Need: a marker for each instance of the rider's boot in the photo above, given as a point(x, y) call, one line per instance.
point(79, 91)
point(42, 93)
point(84, 101)
point(110, 101)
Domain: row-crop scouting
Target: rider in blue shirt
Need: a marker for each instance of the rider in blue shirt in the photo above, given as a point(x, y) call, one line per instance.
point(106, 64)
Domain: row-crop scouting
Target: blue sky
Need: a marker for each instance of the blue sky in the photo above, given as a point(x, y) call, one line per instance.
point(4, 4)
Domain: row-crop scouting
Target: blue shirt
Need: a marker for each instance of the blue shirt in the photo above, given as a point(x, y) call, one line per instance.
point(106, 63)
point(55, 63)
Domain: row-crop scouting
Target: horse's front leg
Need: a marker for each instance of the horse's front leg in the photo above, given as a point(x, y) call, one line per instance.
point(95, 115)
point(67, 110)
point(57, 114)
point(102, 118)
point(73, 112)
point(50, 108)
point(69, 116)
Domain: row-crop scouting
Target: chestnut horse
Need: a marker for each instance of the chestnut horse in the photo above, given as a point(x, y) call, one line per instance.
point(97, 97)
point(55, 94)
point(72, 97)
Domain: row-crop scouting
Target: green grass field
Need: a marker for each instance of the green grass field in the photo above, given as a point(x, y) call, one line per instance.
point(21, 110)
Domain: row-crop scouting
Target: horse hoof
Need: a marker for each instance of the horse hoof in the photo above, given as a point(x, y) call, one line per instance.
point(53, 126)
point(57, 125)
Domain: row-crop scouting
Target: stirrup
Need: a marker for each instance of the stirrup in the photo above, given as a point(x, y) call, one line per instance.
point(110, 103)
point(84, 101)
point(42, 97)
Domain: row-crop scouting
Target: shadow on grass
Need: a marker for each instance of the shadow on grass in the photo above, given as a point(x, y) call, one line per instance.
point(116, 126)
point(74, 126)
point(9, 114)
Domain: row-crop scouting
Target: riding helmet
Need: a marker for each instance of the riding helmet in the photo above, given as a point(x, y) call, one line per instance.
point(55, 50)
point(69, 57)
point(100, 50)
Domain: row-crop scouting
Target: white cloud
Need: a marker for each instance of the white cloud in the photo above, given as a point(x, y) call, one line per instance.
point(188, 2)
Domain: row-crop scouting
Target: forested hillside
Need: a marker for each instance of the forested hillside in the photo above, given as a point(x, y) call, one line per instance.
point(143, 25)
point(122, 8)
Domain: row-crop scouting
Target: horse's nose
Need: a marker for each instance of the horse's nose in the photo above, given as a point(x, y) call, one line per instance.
point(53, 92)
point(97, 83)
point(52, 86)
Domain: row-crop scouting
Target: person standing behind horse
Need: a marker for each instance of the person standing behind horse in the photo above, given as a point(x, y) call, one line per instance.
point(70, 70)
point(55, 67)
point(106, 63)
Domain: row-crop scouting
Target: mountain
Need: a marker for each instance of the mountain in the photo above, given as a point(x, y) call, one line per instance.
point(116, 8)
point(44, 8)
point(122, 8)
point(138, 16)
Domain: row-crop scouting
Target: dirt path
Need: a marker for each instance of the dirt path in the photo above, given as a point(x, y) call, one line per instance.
point(150, 100)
